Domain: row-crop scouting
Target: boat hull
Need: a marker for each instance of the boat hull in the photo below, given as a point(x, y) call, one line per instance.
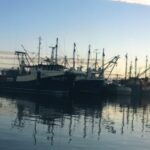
point(60, 85)
point(90, 87)
point(119, 90)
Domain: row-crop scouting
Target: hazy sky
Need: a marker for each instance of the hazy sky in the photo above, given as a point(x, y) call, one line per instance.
point(119, 26)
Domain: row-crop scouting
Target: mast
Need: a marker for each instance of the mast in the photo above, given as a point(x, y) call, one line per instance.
point(103, 61)
point(52, 54)
point(96, 59)
point(40, 39)
point(96, 62)
point(65, 61)
point(74, 52)
point(146, 66)
point(149, 72)
point(136, 66)
point(56, 54)
point(88, 61)
point(130, 70)
point(126, 68)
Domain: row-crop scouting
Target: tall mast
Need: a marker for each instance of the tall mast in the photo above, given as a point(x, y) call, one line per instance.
point(103, 61)
point(96, 59)
point(130, 70)
point(74, 52)
point(56, 54)
point(126, 68)
point(149, 72)
point(40, 39)
point(136, 66)
point(52, 55)
point(88, 61)
point(96, 62)
point(146, 66)
point(65, 61)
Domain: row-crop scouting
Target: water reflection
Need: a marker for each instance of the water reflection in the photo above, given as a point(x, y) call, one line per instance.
point(77, 122)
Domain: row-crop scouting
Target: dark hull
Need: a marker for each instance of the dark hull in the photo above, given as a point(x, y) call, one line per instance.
point(90, 87)
point(139, 86)
point(59, 85)
point(114, 90)
point(135, 85)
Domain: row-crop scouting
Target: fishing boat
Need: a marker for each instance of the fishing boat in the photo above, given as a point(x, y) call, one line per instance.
point(117, 89)
point(139, 84)
point(96, 82)
point(41, 78)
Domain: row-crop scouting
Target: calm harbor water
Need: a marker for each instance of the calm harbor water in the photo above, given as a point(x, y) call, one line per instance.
point(107, 124)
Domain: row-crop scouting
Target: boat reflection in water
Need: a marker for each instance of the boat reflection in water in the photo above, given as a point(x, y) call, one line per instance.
point(111, 123)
